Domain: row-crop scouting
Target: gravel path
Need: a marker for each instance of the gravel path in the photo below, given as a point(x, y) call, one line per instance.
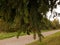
point(23, 40)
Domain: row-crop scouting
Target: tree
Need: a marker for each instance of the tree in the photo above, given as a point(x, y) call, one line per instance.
point(55, 24)
point(29, 12)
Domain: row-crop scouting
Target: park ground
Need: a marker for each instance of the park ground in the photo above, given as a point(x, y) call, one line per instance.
point(23, 40)
point(53, 39)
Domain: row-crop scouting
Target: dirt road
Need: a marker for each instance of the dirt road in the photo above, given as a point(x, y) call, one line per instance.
point(23, 40)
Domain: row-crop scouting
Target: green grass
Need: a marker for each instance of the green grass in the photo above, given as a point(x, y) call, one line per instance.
point(53, 39)
point(9, 35)
point(45, 30)
point(12, 34)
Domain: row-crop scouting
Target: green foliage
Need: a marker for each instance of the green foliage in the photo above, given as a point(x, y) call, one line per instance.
point(46, 24)
point(55, 24)
point(25, 15)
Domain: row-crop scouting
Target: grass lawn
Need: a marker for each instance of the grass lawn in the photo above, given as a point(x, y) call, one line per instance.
point(9, 35)
point(12, 34)
point(53, 39)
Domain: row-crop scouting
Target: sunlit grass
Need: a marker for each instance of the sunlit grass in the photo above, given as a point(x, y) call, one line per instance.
point(5, 35)
point(9, 35)
point(53, 39)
